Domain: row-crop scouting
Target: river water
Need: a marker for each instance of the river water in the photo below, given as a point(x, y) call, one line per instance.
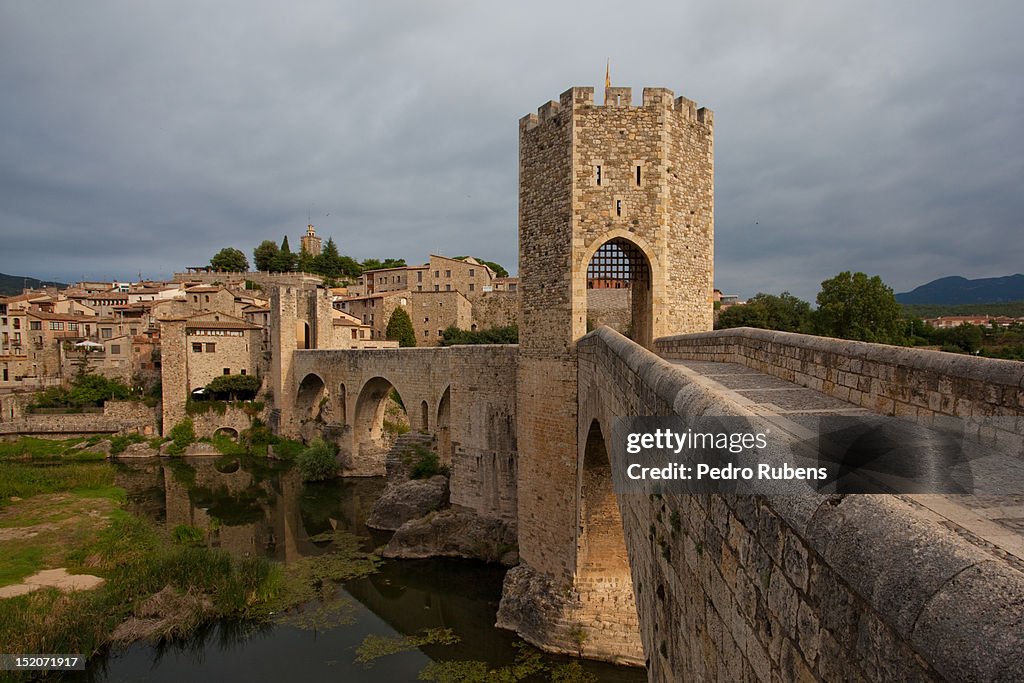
point(257, 507)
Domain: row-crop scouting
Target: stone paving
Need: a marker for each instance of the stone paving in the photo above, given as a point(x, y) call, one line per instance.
point(991, 518)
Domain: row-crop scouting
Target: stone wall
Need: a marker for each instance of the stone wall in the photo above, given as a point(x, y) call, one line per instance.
point(909, 383)
point(495, 309)
point(611, 307)
point(796, 587)
point(117, 417)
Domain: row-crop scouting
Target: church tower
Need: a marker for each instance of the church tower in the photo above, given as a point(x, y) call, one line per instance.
point(310, 242)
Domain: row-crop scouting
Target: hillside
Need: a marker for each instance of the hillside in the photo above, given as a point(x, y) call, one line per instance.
point(14, 284)
point(955, 290)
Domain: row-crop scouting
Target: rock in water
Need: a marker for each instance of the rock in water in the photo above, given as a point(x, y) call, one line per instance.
point(456, 532)
point(409, 500)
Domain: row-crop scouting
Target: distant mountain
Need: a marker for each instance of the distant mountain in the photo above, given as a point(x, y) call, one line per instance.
point(13, 284)
point(956, 290)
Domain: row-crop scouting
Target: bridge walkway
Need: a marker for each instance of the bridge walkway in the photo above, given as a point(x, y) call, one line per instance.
point(993, 521)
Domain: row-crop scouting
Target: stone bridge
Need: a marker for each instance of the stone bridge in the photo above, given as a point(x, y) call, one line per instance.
point(465, 396)
point(719, 587)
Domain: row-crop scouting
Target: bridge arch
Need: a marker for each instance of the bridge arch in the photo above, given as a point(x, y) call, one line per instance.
point(229, 432)
point(620, 274)
point(371, 439)
point(443, 425)
point(601, 546)
point(309, 397)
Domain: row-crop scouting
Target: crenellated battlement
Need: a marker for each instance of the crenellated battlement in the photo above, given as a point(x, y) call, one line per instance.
point(618, 98)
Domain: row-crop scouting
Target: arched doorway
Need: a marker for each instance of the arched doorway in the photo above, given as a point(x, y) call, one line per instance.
point(303, 336)
point(619, 290)
point(444, 429)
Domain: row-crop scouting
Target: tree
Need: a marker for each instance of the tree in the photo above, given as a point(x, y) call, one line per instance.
point(400, 328)
point(855, 306)
point(265, 255)
point(328, 262)
point(230, 259)
point(377, 264)
point(492, 335)
point(499, 270)
point(784, 312)
point(285, 261)
point(234, 386)
point(307, 262)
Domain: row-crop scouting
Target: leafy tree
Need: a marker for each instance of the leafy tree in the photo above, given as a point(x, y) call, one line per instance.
point(377, 264)
point(285, 261)
point(350, 268)
point(230, 259)
point(306, 262)
point(855, 306)
point(494, 335)
point(328, 262)
point(234, 386)
point(784, 312)
point(499, 270)
point(265, 255)
point(400, 328)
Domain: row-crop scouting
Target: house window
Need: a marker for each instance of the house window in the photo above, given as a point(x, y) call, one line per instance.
point(107, 333)
point(207, 298)
point(197, 348)
point(472, 287)
point(17, 323)
point(353, 333)
point(440, 333)
point(437, 273)
point(115, 349)
point(447, 273)
point(472, 272)
point(419, 276)
point(447, 288)
point(243, 371)
point(54, 325)
point(227, 371)
point(437, 288)
point(211, 347)
point(35, 325)
point(597, 174)
point(419, 288)
point(425, 335)
point(73, 327)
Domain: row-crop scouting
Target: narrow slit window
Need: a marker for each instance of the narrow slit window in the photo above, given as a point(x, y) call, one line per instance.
point(618, 207)
point(638, 176)
point(597, 174)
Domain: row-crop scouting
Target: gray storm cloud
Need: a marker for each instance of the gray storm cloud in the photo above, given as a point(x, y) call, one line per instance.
point(146, 136)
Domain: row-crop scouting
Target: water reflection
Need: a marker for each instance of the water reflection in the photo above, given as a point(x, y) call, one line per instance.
point(255, 507)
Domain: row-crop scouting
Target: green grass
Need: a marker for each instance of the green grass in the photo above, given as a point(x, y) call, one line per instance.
point(19, 562)
point(24, 480)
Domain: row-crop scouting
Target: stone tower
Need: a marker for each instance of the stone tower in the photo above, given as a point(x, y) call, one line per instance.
point(311, 244)
point(613, 192)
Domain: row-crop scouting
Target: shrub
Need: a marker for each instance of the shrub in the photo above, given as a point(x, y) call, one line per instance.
point(183, 435)
point(422, 462)
point(317, 462)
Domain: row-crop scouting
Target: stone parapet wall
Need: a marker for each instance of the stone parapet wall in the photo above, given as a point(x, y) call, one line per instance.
point(909, 383)
point(117, 417)
point(807, 587)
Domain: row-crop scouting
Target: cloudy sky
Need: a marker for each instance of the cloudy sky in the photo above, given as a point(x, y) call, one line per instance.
point(144, 136)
